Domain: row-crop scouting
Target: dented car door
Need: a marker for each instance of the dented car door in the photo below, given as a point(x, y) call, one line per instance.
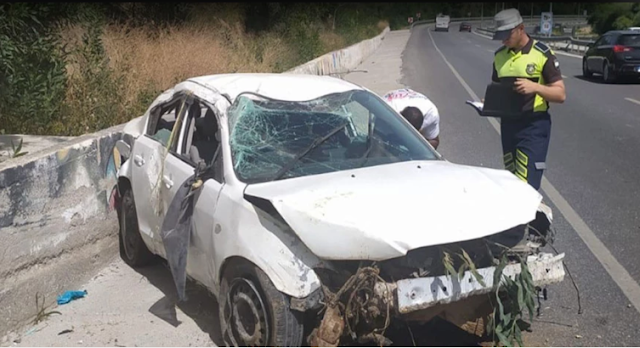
point(148, 157)
point(196, 142)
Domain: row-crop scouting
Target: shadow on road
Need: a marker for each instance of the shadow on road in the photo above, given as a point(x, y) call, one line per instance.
point(203, 309)
point(620, 81)
point(436, 333)
point(200, 306)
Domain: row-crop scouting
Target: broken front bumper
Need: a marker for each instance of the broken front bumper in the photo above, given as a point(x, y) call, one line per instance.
point(422, 293)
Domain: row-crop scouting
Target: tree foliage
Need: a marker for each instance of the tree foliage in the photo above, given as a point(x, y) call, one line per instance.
point(614, 16)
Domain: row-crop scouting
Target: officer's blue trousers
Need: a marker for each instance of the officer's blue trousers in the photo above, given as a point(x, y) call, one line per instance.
point(524, 144)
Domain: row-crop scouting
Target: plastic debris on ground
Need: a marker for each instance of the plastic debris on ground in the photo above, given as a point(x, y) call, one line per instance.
point(69, 296)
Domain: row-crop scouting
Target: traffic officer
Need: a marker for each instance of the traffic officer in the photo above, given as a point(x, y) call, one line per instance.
point(535, 71)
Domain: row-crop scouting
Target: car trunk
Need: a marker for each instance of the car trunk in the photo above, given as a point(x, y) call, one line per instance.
point(628, 48)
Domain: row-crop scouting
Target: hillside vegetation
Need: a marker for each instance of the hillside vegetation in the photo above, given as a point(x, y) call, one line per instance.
point(98, 66)
point(74, 68)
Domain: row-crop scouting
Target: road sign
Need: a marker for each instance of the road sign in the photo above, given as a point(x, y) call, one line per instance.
point(418, 15)
point(410, 20)
point(546, 23)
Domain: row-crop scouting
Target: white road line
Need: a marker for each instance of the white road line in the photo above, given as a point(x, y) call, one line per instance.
point(492, 51)
point(633, 100)
point(618, 273)
point(564, 76)
point(477, 45)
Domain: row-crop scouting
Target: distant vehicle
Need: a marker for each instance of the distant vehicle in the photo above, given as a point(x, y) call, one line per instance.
point(615, 53)
point(442, 22)
point(634, 28)
point(464, 26)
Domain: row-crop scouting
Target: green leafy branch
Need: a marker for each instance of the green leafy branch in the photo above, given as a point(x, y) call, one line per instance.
point(512, 296)
point(467, 264)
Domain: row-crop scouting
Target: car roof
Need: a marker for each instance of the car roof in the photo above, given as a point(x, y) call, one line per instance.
point(621, 32)
point(283, 86)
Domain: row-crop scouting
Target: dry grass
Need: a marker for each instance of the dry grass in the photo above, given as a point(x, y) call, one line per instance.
point(144, 61)
point(161, 57)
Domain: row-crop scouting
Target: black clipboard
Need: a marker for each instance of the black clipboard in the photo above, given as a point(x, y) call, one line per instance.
point(501, 100)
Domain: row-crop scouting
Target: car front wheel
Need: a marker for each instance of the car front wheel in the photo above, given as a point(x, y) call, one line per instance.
point(132, 248)
point(254, 313)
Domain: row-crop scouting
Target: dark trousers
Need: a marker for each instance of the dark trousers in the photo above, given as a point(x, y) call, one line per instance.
point(524, 145)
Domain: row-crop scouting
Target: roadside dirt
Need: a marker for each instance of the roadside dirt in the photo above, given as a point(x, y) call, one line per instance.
point(127, 307)
point(136, 308)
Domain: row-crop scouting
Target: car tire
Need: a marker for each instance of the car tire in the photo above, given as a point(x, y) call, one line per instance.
point(585, 69)
point(607, 74)
point(253, 294)
point(133, 250)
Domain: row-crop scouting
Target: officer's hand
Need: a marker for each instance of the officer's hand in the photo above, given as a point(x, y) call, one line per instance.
point(524, 86)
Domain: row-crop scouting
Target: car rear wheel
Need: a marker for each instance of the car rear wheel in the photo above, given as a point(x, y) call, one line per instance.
point(585, 69)
point(132, 248)
point(254, 313)
point(607, 74)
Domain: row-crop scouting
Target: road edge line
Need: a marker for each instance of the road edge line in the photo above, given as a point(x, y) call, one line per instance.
point(616, 271)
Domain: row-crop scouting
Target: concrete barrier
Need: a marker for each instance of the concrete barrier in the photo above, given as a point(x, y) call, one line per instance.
point(341, 61)
point(57, 222)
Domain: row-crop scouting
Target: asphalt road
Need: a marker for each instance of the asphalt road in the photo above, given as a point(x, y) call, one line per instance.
point(592, 163)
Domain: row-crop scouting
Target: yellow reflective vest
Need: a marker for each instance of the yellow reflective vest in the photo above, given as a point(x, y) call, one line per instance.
point(527, 63)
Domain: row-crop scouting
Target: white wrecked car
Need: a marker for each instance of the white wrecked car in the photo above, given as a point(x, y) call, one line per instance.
point(314, 212)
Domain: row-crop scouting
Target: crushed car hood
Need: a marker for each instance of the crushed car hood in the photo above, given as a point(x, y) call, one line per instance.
point(382, 212)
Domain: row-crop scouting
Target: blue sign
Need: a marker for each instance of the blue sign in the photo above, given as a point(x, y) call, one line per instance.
point(546, 23)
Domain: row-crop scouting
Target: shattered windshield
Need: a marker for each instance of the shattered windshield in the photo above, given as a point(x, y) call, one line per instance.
point(273, 139)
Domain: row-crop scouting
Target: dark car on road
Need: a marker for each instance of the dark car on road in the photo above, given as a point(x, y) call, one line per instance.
point(614, 54)
point(464, 26)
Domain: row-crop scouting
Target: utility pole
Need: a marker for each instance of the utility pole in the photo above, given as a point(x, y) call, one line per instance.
point(531, 12)
point(481, 13)
point(496, 9)
point(503, 6)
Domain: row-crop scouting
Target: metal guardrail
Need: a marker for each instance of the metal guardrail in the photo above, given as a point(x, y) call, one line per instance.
point(573, 44)
point(566, 19)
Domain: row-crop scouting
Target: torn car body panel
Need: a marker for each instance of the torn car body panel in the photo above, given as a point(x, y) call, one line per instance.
point(378, 213)
point(421, 293)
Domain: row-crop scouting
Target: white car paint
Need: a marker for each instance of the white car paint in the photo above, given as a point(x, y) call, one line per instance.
point(363, 216)
point(382, 212)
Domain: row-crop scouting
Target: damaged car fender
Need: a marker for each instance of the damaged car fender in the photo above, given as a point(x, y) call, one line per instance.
point(264, 241)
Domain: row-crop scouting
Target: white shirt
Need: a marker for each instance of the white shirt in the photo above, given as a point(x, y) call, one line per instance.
point(401, 98)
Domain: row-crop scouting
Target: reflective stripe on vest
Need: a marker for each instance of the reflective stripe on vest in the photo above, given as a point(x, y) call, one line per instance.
point(528, 65)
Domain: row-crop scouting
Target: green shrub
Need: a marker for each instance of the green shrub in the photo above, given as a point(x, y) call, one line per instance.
point(32, 69)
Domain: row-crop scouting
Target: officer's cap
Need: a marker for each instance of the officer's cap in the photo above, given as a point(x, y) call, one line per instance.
point(505, 21)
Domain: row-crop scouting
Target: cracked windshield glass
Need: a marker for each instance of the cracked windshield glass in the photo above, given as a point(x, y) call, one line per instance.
point(273, 139)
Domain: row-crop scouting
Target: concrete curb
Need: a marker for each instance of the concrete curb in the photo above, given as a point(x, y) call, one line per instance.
point(57, 222)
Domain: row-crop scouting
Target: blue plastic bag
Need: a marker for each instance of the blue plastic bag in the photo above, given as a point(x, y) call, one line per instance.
point(69, 296)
